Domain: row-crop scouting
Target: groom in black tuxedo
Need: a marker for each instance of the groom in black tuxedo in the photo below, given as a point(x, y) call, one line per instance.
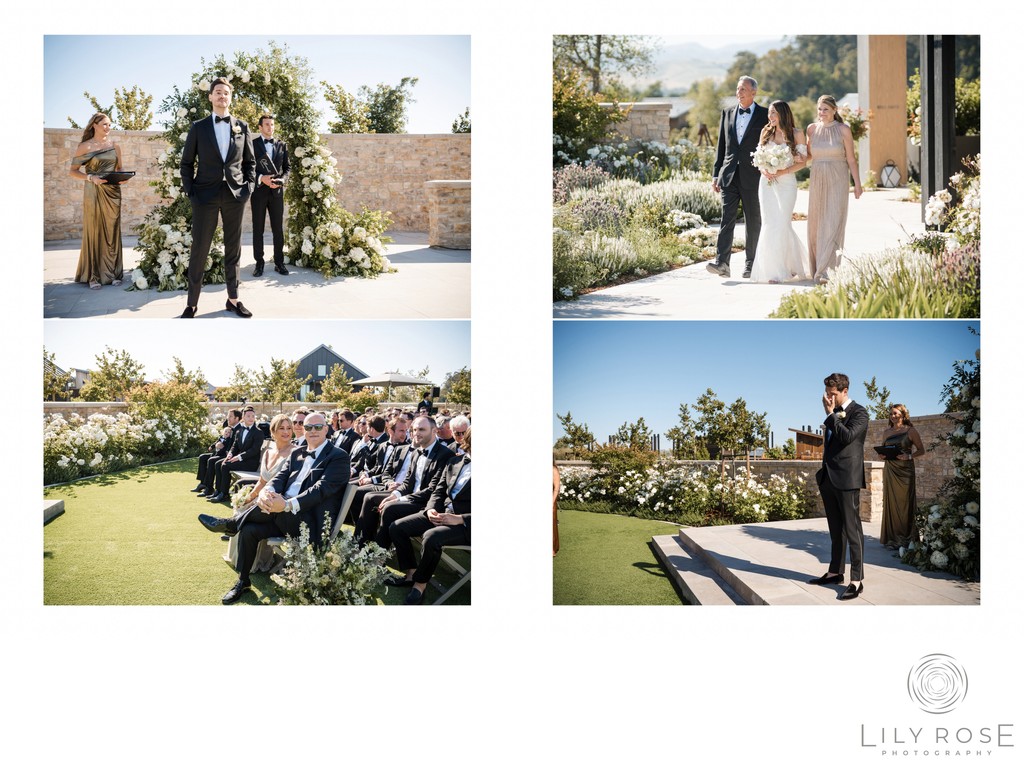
point(735, 176)
point(840, 480)
point(271, 175)
point(218, 170)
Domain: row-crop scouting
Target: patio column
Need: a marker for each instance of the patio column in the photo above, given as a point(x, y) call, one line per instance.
point(882, 91)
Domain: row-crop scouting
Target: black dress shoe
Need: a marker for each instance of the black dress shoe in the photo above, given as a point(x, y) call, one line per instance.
point(852, 591)
point(827, 579)
point(213, 524)
point(258, 271)
point(188, 313)
point(238, 590)
point(238, 308)
point(200, 487)
point(281, 269)
point(746, 273)
point(220, 497)
point(397, 581)
point(722, 271)
point(414, 598)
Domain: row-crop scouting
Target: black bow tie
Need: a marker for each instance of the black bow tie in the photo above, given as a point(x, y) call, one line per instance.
point(217, 119)
point(268, 140)
point(744, 111)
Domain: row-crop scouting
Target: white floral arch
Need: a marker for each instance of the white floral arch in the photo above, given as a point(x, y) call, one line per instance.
point(320, 234)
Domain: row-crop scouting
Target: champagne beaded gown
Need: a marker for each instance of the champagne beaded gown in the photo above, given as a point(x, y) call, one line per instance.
point(829, 198)
point(100, 259)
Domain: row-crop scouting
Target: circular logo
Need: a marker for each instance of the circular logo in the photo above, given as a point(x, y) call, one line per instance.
point(937, 683)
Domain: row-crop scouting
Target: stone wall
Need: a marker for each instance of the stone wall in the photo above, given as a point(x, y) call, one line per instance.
point(449, 205)
point(647, 121)
point(932, 469)
point(385, 172)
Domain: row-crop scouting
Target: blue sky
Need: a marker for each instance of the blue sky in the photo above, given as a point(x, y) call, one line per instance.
point(607, 373)
point(442, 64)
point(372, 346)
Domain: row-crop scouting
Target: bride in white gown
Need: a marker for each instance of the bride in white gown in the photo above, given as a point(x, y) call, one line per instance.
point(781, 256)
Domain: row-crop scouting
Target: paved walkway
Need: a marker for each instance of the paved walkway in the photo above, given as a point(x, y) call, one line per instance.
point(431, 283)
point(771, 563)
point(878, 220)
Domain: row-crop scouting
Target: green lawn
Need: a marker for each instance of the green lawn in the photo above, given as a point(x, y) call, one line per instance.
point(133, 538)
point(607, 559)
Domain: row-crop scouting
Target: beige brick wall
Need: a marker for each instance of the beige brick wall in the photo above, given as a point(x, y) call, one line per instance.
point(932, 469)
point(382, 172)
point(448, 205)
point(646, 121)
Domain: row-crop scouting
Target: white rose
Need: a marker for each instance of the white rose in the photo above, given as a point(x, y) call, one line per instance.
point(182, 111)
point(203, 85)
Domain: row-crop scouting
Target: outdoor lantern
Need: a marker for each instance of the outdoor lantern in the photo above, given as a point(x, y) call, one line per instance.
point(890, 175)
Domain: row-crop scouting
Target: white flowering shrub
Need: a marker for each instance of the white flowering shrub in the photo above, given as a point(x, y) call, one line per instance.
point(959, 213)
point(274, 82)
point(951, 528)
point(670, 491)
point(339, 572)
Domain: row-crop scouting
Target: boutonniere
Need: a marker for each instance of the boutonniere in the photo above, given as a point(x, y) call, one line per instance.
point(236, 129)
point(840, 414)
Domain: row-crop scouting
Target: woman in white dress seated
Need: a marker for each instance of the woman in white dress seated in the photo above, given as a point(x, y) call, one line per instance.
point(781, 256)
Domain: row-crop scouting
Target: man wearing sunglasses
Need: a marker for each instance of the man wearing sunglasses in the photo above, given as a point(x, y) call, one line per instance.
point(310, 484)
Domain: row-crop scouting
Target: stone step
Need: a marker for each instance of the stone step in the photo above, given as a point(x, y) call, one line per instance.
point(51, 510)
point(694, 579)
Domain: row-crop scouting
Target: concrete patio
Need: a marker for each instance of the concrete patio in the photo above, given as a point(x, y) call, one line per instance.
point(878, 220)
point(431, 283)
point(769, 564)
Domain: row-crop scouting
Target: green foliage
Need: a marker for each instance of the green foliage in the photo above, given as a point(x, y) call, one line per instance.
point(337, 573)
point(179, 374)
point(349, 110)
point(786, 452)
point(362, 400)
point(578, 437)
point(336, 386)
point(130, 110)
point(951, 528)
point(281, 382)
point(967, 107)
point(599, 58)
point(568, 178)
point(879, 399)
point(383, 109)
point(55, 382)
point(114, 375)
point(177, 410)
point(462, 123)
point(458, 387)
point(895, 284)
point(618, 461)
point(578, 120)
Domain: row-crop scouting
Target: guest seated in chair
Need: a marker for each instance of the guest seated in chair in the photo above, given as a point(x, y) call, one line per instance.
point(445, 521)
point(244, 455)
point(218, 451)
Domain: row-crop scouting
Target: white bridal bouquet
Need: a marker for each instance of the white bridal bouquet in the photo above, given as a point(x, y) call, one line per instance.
point(772, 157)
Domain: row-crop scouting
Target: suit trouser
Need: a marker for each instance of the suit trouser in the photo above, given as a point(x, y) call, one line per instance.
point(731, 197)
point(224, 472)
point(259, 526)
point(435, 537)
point(390, 514)
point(368, 499)
point(204, 223)
point(212, 469)
point(263, 200)
point(203, 460)
point(842, 510)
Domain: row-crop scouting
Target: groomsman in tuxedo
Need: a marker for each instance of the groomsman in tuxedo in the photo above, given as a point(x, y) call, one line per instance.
point(346, 437)
point(840, 480)
point(218, 170)
point(308, 486)
point(735, 176)
point(218, 451)
point(244, 455)
point(271, 175)
point(367, 457)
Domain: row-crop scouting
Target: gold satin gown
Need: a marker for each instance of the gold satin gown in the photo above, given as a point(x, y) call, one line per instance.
point(100, 258)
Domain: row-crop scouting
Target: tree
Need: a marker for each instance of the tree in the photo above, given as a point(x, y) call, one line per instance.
point(115, 375)
point(879, 399)
point(281, 383)
point(578, 120)
point(711, 422)
point(130, 110)
point(244, 386)
point(601, 57)
point(458, 386)
point(383, 109)
point(462, 123)
point(180, 375)
point(336, 386)
point(55, 380)
point(786, 452)
point(686, 444)
point(707, 108)
point(578, 438)
point(634, 436)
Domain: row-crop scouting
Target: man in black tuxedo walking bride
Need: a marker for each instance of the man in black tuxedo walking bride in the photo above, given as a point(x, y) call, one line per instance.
point(222, 148)
point(840, 480)
point(735, 176)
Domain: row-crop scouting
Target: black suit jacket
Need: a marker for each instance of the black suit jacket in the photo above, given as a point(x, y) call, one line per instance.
point(321, 490)
point(247, 449)
point(278, 163)
point(442, 491)
point(203, 170)
point(348, 441)
point(367, 457)
point(439, 457)
point(383, 471)
point(843, 458)
point(733, 158)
